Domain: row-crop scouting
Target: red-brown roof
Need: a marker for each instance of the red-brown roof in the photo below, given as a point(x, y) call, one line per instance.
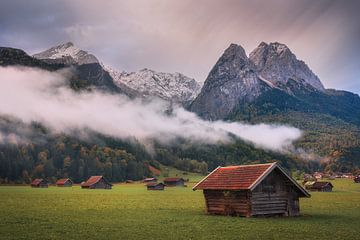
point(94, 179)
point(37, 181)
point(243, 177)
point(173, 179)
point(63, 181)
point(234, 177)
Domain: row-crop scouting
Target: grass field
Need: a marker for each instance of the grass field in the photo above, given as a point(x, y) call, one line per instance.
point(131, 212)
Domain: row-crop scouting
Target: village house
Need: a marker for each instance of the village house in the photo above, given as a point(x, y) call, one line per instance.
point(174, 182)
point(97, 182)
point(155, 186)
point(64, 182)
point(319, 186)
point(251, 190)
point(149, 180)
point(39, 183)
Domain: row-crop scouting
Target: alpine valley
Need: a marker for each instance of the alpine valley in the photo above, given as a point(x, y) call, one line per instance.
point(270, 85)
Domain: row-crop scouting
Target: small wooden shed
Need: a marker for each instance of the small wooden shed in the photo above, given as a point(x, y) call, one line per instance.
point(97, 182)
point(357, 179)
point(320, 187)
point(149, 180)
point(155, 186)
point(174, 182)
point(64, 182)
point(39, 183)
point(251, 190)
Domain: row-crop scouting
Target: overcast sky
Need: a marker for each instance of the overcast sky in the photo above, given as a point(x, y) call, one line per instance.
point(189, 36)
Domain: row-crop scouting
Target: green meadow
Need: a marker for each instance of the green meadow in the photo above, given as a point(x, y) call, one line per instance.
point(129, 211)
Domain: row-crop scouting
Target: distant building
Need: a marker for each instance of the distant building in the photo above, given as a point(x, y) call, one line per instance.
point(319, 186)
point(149, 180)
point(251, 190)
point(174, 182)
point(39, 183)
point(97, 182)
point(357, 179)
point(155, 186)
point(318, 175)
point(64, 182)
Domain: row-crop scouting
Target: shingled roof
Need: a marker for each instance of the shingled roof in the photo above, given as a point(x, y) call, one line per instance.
point(173, 179)
point(243, 177)
point(37, 181)
point(63, 181)
point(94, 179)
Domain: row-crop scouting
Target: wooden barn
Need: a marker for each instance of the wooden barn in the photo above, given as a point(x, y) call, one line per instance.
point(357, 179)
point(320, 187)
point(155, 186)
point(150, 180)
point(251, 190)
point(174, 182)
point(64, 182)
point(39, 183)
point(97, 182)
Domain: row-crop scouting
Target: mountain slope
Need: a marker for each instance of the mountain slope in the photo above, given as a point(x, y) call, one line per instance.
point(293, 95)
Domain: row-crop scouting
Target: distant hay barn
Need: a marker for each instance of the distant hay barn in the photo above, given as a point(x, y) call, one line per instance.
point(357, 179)
point(174, 182)
point(251, 190)
point(39, 183)
point(97, 182)
point(155, 186)
point(319, 186)
point(64, 182)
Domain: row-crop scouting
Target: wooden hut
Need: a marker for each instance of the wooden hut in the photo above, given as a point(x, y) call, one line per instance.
point(174, 182)
point(155, 186)
point(320, 187)
point(39, 183)
point(150, 180)
point(97, 182)
point(251, 190)
point(357, 179)
point(64, 182)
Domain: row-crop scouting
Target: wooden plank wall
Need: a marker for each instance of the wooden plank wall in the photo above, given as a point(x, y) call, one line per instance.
point(227, 202)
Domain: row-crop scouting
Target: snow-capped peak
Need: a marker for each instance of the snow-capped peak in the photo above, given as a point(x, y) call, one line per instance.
point(174, 87)
point(67, 51)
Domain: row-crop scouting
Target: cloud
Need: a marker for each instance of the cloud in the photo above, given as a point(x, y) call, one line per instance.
point(41, 96)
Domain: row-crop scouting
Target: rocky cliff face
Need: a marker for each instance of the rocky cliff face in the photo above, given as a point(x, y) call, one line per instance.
point(277, 64)
point(237, 79)
point(232, 80)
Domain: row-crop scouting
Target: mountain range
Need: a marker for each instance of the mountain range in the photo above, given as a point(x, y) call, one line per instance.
point(174, 87)
point(270, 85)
